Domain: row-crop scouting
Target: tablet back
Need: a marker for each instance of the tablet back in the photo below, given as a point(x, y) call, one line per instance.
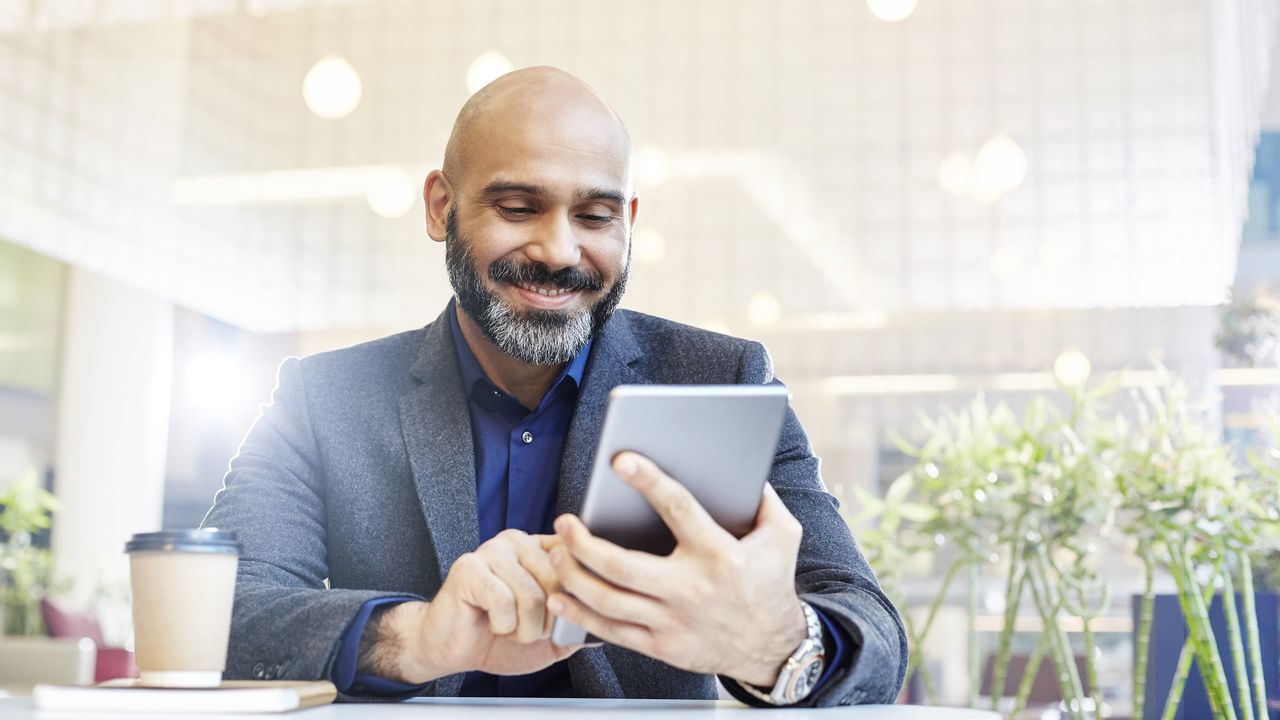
point(717, 440)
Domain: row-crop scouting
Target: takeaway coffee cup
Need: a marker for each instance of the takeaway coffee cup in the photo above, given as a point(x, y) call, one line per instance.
point(183, 584)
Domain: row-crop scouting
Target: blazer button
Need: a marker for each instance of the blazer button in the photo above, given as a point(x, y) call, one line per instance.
point(260, 671)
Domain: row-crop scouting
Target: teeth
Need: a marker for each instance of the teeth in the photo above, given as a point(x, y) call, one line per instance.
point(541, 291)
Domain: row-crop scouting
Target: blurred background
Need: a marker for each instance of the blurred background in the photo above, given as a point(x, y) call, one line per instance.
point(910, 203)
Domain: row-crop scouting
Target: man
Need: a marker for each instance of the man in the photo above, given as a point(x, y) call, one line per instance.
point(406, 506)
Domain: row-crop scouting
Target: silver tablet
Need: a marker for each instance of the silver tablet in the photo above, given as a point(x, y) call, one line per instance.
point(717, 440)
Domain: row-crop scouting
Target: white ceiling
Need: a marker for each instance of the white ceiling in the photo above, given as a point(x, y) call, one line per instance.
point(801, 145)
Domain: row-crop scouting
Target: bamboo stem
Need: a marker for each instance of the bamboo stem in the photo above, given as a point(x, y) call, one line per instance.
point(1091, 667)
point(1142, 643)
point(975, 671)
point(1059, 647)
point(926, 679)
point(1200, 633)
point(914, 660)
point(1012, 599)
point(1237, 646)
point(1179, 683)
point(1029, 675)
point(1251, 627)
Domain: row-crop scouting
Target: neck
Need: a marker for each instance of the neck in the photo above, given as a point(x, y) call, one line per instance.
point(523, 381)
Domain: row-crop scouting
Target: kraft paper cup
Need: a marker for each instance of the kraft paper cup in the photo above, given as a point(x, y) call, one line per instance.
point(183, 585)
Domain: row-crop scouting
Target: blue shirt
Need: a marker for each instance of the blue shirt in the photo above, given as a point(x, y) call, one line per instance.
point(517, 456)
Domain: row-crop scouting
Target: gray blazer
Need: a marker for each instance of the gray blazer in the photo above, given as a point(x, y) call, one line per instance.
point(357, 481)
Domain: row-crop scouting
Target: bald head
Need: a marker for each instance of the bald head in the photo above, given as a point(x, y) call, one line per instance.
point(542, 105)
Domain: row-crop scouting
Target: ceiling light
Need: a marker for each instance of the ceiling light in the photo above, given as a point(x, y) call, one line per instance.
point(999, 167)
point(955, 174)
point(891, 10)
point(332, 88)
point(648, 247)
point(392, 193)
point(764, 310)
point(487, 67)
point(1072, 368)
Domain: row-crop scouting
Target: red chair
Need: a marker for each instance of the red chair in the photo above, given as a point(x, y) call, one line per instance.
point(113, 662)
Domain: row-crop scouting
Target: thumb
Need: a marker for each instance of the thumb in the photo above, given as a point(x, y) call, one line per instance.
point(773, 515)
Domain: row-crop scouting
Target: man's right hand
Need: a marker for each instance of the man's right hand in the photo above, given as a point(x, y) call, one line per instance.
point(490, 615)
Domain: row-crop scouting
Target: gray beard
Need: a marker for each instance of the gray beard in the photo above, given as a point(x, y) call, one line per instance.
point(537, 337)
point(546, 340)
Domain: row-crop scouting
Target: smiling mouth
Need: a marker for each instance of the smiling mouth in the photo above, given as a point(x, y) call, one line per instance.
point(542, 290)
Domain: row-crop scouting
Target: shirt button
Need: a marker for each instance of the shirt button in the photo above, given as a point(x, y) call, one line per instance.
point(527, 437)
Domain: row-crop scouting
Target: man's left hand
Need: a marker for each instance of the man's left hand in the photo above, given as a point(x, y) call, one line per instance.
point(717, 604)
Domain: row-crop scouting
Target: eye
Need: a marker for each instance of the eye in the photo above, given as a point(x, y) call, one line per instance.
point(520, 212)
point(596, 219)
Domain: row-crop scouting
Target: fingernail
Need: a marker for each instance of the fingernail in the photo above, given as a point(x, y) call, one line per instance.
point(561, 525)
point(555, 606)
point(624, 465)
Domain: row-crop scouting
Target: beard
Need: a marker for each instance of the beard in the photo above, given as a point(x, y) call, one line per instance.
point(537, 337)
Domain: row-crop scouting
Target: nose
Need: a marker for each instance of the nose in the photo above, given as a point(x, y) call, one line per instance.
point(554, 243)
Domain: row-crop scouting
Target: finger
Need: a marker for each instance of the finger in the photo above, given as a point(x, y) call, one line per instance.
point(482, 589)
point(532, 555)
point(631, 569)
point(774, 513)
point(673, 502)
point(628, 635)
point(530, 600)
point(608, 600)
point(533, 558)
point(547, 542)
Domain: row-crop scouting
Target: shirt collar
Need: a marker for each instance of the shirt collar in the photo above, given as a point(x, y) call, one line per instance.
point(473, 373)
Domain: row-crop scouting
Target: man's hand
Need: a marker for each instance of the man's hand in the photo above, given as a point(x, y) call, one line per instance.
point(717, 604)
point(489, 615)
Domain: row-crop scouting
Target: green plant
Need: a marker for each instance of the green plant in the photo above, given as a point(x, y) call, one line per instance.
point(1191, 512)
point(1040, 495)
point(26, 571)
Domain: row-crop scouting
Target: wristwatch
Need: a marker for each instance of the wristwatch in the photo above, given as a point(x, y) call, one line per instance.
point(800, 673)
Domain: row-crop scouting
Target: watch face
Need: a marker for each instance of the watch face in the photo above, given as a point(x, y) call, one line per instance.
point(806, 677)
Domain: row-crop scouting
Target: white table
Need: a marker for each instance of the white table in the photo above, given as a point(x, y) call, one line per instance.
point(19, 708)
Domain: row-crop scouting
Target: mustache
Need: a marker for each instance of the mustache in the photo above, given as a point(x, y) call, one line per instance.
point(535, 273)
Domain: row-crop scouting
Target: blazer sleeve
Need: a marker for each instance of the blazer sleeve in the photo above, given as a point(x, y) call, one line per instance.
point(831, 573)
point(285, 623)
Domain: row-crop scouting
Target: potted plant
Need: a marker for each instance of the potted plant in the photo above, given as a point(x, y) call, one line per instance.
point(26, 571)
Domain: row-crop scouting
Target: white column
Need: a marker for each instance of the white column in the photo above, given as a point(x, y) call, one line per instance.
point(113, 420)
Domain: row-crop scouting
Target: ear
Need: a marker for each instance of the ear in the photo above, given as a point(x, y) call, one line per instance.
point(437, 196)
point(635, 210)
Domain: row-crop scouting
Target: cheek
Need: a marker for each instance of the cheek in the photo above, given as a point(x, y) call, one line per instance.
point(610, 258)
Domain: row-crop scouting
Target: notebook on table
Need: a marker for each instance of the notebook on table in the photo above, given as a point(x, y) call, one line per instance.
point(232, 696)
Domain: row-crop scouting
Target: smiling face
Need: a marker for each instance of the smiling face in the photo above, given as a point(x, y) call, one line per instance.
point(535, 207)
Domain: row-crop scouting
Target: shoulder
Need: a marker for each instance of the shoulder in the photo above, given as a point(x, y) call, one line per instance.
point(675, 352)
point(377, 362)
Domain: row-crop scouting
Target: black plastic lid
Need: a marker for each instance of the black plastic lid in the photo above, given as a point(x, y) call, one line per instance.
point(207, 540)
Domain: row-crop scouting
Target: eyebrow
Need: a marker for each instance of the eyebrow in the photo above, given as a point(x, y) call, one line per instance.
point(500, 187)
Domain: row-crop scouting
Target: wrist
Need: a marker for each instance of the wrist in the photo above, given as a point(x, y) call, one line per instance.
point(777, 648)
point(409, 655)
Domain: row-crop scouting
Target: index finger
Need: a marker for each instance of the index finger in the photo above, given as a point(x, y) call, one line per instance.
point(688, 521)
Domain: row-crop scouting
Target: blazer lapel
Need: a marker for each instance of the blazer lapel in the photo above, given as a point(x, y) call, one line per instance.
point(612, 355)
point(436, 423)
